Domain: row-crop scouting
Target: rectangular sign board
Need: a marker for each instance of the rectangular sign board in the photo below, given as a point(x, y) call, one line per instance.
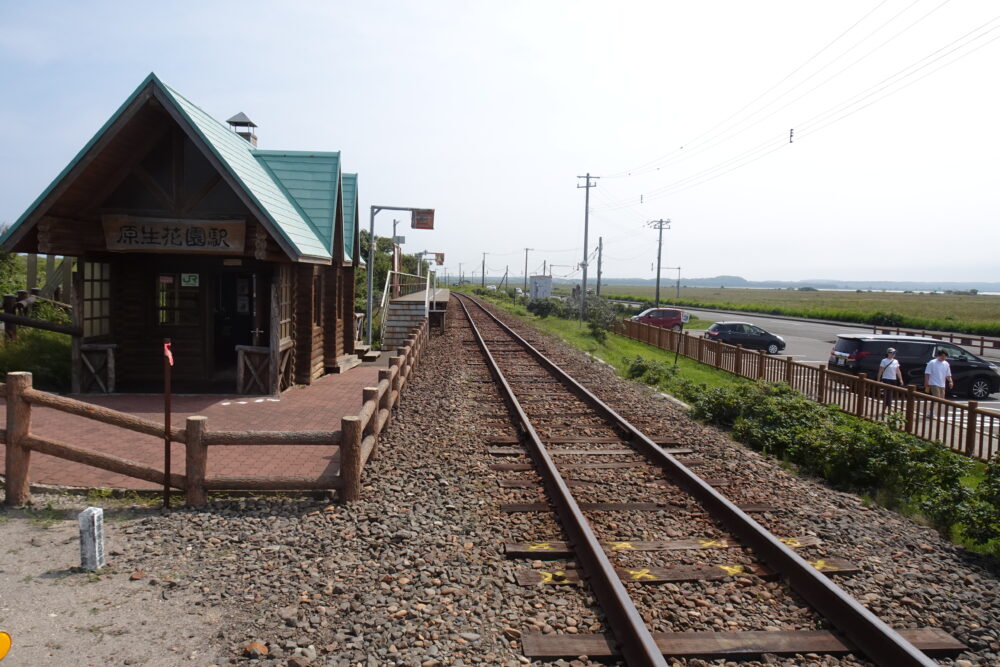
point(124, 233)
point(439, 258)
point(422, 218)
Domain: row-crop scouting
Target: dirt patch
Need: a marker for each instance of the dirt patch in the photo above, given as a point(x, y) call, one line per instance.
point(58, 614)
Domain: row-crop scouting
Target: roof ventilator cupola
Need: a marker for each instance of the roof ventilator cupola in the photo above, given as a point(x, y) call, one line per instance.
point(243, 126)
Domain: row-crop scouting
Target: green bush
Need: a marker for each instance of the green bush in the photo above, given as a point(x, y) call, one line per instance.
point(852, 454)
point(545, 307)
point(44, 353)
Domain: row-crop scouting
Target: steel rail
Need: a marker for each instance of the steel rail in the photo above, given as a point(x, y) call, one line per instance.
point(635, 641)
point(869, 633)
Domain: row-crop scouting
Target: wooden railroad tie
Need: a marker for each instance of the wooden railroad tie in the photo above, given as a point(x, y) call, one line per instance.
point(662, 575)
point(622, 507)
point(597, 440)
point(710, 645)
point(558, 549)
point(515, 451)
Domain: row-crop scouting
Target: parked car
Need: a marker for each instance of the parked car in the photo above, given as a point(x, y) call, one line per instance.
point(668, 318)
point(747, 335)
point(854, 353)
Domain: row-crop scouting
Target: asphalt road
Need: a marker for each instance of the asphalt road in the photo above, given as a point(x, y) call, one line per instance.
point(808, 341)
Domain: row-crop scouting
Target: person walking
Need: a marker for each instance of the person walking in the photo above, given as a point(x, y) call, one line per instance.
point(937, 375)
point(889, 372)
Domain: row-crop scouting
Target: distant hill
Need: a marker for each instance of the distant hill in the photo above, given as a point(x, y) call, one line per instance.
point(821, 283)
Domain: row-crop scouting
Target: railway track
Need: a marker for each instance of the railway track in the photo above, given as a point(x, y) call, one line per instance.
point(592, 465)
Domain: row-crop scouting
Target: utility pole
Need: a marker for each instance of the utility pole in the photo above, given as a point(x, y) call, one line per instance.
point(660, 225)
point(483, 283)
point(678, 283)
point(586, 229)
point(600, 253)
point(544, 261)
point(526, 270)
point(460, 274)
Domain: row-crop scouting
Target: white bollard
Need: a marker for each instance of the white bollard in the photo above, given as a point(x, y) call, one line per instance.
point(92, 538)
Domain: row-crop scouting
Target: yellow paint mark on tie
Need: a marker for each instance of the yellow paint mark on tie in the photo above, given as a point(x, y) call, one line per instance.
point(822, 565)
point(5, 643)
point(619, 546)
point(709, 544)
point(540, 546)
point(792, 542)
point(731, 570)
point(550, 577)
point(640, 575)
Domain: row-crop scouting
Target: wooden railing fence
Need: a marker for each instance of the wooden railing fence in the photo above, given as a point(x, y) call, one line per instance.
point(963, 427)
point(358, 438)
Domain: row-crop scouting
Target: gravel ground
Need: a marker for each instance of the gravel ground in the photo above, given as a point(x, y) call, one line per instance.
point(415, 574)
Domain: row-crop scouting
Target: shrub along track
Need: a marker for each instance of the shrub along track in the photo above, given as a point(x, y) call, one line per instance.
point(552, 411)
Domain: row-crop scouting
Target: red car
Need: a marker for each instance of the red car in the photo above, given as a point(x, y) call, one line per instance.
point(668, 318)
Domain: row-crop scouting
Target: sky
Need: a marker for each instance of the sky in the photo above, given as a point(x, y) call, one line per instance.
point(784, 140)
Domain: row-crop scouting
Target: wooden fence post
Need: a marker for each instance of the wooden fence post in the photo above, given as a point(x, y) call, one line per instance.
point(9, 306)
point(911, 404)
point(701, 349)
point(970, 427)
point(860, 394)
point(717, 346)
point(789, 371)
point(738, 361)
point(350, 458)
point(18, 457)
point(398, 380)
point(761, 365)
point(196, 460)
point(821, 384)
point(371, 394)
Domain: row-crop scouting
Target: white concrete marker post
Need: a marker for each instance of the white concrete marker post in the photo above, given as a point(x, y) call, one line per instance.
point(92, 538)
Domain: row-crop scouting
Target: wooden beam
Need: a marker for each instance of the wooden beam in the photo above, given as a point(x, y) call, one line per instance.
point(21, 320)
point(102, 461)
point(154, 188)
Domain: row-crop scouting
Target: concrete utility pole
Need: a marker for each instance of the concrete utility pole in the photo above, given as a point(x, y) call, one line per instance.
point(660, 225)
point(600, 253)
point(586, 229)
point(460, 274)
point(483, 283)
point(526, 269)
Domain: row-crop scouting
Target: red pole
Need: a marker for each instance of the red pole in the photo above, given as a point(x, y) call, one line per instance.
point(168, 361)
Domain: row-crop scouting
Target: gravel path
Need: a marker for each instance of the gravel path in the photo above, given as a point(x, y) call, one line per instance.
point(414, 574)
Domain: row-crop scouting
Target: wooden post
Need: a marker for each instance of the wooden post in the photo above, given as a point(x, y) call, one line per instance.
point(701, 350)
point(76, 342)
point(970, 427)
point(196, 460)
point(738, 363)
point(31, 260)
point(718, 353)
point(860, 394)
point(398, 380)
point(371, 394)
point(275, 334)
point(9, 306)
point(18, 458)
point(821, 384)
point(911, 404)
point(761, 365)
point(350, 458)
point(789, 371)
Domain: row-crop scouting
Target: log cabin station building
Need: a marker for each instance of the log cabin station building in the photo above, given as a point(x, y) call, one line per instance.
point(183, 229)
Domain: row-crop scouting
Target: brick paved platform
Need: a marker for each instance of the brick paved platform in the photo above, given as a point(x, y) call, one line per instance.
point(318, 406)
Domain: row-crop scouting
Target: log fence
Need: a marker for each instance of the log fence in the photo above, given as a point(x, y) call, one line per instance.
point(963, 427)
point(357, 438)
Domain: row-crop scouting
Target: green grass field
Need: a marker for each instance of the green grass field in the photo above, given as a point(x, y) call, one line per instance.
point(948, 312)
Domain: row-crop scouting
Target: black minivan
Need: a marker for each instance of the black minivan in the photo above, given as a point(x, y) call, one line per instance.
point(860, 353)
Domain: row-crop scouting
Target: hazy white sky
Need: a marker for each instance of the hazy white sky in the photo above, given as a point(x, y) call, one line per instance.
point(487, 112)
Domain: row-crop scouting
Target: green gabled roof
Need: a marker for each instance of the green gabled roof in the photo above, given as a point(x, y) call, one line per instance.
point(349, 184)
point(310, 181)
point(238, 155)
point(301, 213)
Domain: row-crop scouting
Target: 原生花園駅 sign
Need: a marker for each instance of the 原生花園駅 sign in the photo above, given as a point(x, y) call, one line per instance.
point(216, 237)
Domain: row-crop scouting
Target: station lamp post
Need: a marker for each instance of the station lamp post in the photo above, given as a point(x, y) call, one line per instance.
point(420, 218)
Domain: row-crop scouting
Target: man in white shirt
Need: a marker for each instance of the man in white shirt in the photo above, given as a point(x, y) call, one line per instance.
point(937, 374)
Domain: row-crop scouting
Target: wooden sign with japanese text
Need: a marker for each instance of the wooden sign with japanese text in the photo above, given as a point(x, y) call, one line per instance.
point(156, 235)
